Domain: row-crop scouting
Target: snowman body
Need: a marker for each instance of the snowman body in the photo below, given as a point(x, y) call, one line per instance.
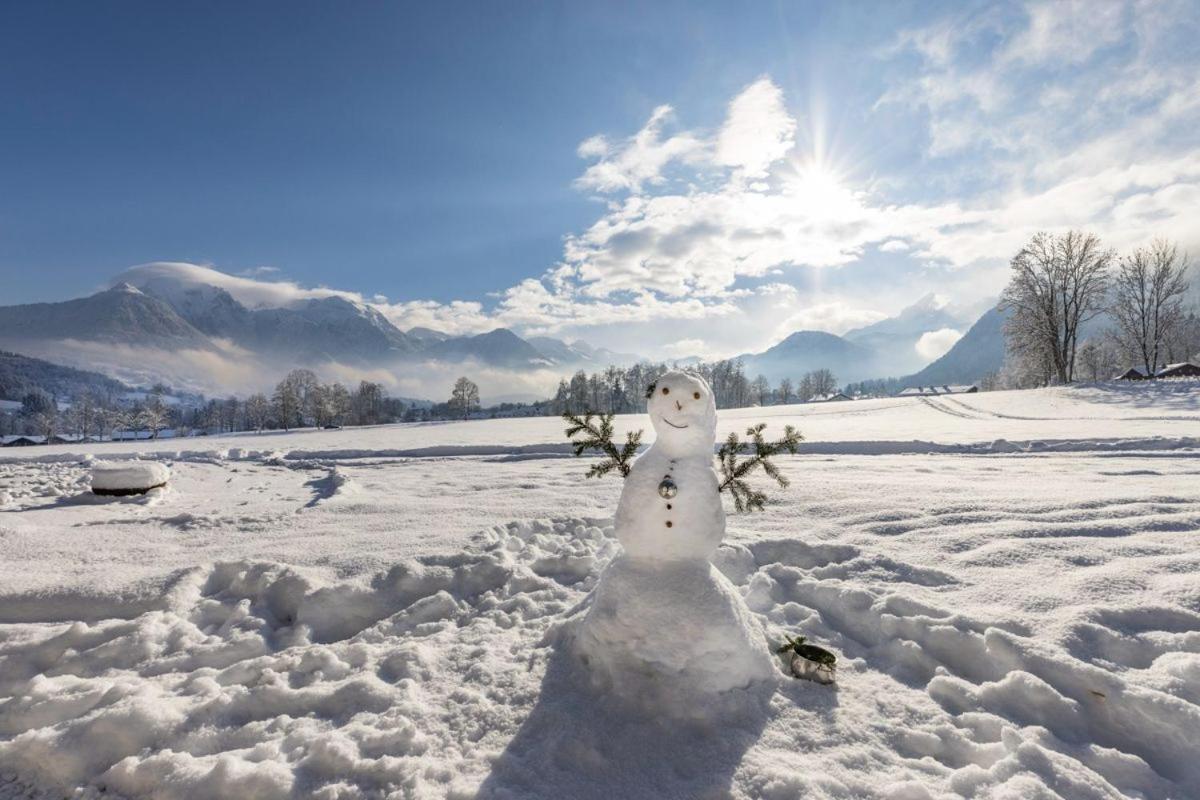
point(663, 620)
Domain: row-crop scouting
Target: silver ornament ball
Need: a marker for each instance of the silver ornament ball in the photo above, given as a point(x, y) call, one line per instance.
point(667, 488)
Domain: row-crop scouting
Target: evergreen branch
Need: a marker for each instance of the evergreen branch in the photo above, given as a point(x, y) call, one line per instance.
point(734, 471)
point(595, 432)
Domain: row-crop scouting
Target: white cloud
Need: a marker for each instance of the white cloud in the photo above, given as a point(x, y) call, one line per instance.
point(758, 130)
point(935, 344)
point(1069, 31)
point(1021, 137)
point(637, 161)
point(252, 292)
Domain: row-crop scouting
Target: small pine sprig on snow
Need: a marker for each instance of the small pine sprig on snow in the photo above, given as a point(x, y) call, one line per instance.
point(595, 432)
point(734, 472)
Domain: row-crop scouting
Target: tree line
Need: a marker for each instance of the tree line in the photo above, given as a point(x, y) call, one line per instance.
point(620, 390)
point(1061, 282)
point(300, 399)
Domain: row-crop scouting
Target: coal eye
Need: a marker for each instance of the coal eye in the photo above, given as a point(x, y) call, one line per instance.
point(666, 390)
point(696, 395)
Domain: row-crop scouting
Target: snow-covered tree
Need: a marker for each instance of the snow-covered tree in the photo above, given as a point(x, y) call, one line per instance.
point(258, 411)
point(1147, 301)
point(153, 415)
point(82, 415)
point(1058, 282)
point(287, 401)
point(337, 402)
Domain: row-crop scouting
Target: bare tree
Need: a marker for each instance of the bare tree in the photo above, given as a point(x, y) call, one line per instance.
point(787, 392)
point(337, 402)
point(823, 381)
point(805, 390)
point(288, 402)
point(1057, 284)
point(1183, 342)
point(153, 416)
point(367, 403)
point(465, 396)
point(1148, 300)
point(1097, 358)
point(258, 411)
point(760, 390)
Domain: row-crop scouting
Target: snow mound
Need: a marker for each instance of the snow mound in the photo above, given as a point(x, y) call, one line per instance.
point(673, 637)
point(128, 477)
point(450, 676)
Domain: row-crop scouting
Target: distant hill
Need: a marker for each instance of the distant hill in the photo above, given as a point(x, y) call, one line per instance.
point(980, 351)
point(122, 314)
point(155, 311)
point(894, 340)
point(21, 374)
point(805, 351)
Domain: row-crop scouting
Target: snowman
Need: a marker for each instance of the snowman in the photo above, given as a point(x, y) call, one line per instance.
point(664, 622)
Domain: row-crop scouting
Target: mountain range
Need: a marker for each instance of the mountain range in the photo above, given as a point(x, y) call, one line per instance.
point(887, 348)
point(136, 327)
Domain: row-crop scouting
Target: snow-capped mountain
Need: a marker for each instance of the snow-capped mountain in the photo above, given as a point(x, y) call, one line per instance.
point(160, 311)
point(501, 348)
point(120, 315)
point(580, 353)
point(980, 351)
point(804, 351)
point(166, 309)
point(894, 340)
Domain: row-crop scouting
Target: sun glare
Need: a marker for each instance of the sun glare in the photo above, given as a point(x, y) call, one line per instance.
point(820, 190)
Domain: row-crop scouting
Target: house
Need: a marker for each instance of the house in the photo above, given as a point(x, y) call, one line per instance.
point(931, 391)
point(1184, 369)
point(1131, 374)
point(21, 441)
point(72, 438)
point(836, 397)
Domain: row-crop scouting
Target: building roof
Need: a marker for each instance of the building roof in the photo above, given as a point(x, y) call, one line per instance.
point(1182, 366)
point(7, 440)
point(919, 391)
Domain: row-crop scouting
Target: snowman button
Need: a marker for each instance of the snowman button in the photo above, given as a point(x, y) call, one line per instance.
point(669, 523)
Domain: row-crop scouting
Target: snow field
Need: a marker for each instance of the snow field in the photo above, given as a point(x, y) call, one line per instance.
point(276, 624)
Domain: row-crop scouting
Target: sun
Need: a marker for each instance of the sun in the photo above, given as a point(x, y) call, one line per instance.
point(820, 191)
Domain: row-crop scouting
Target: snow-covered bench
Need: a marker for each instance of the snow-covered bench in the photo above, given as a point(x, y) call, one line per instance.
point(128, 477)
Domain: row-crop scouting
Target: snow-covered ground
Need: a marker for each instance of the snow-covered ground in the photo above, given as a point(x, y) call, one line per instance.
point(1012, 580)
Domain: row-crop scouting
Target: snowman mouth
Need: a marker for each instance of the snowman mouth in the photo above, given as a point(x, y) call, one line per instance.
point(672, 424)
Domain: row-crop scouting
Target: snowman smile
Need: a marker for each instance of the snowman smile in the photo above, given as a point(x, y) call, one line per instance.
point(672, 424)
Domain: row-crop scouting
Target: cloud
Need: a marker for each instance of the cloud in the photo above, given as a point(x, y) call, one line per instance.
point(638, 160)
point(935, 344)
point(252, 292)
point(1030, 117)
point(758, 130)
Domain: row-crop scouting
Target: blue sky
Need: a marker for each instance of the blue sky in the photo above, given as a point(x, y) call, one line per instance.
point(673, 178)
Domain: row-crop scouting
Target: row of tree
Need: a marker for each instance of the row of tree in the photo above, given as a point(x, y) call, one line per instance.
point(620, 390)
point(1061, 282)
point(298, 400)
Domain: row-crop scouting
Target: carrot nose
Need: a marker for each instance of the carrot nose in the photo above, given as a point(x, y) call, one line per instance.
point(678, 405)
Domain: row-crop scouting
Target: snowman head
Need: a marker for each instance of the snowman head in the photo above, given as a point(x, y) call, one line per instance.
point(683, 413)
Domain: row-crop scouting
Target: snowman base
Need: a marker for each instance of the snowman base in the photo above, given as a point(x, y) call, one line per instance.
point(669, 633)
